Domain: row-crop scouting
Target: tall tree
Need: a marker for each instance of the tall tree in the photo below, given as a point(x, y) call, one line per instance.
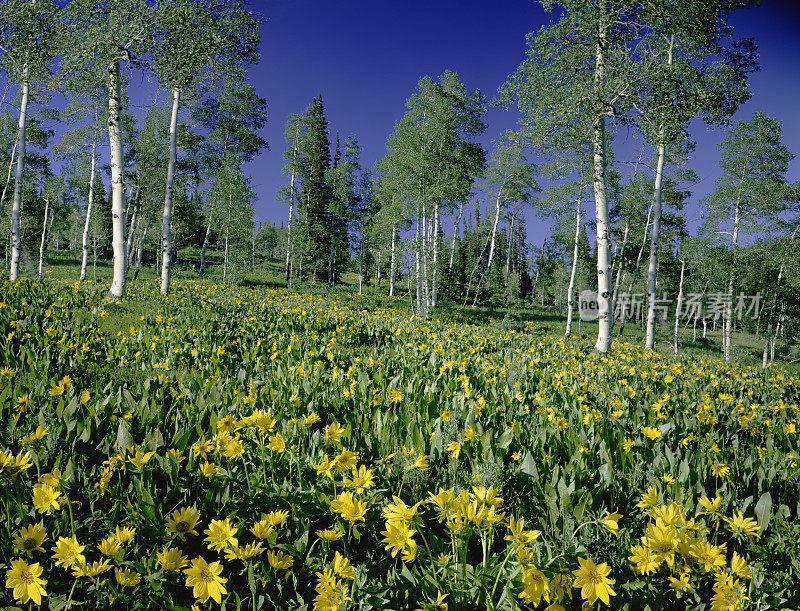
point(196, 43)
point(578, 73)
point(752, 188)
point(695, 69)
point(315, 191)
point(295, 131)
point(101, 35)
point(435, 163)
point(232, 121)
point(28, 39)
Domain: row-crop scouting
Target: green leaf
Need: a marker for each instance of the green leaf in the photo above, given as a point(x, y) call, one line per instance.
point(764, 511)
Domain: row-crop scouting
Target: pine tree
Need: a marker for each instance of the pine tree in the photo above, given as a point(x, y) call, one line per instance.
point(315, 192)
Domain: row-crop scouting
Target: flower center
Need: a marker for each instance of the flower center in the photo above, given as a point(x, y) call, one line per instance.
point(594, 576)
point(30, 543)
point(206, 576)
point(26, 577)
point(182, 526)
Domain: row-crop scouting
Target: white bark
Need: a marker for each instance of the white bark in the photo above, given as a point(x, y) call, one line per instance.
point(291, 214)
point(636, 266)
point(8, 175)
point(47, 213)
point(435, 240)
point(601, 203)
point(494, 228)
point(205, 241)
point(136, 204)
point(456, 231)
point(656, 231)
point(678, 308)
point(728, 322)
point(166, 223)
point(89, 206)
point(16, 205)
point(393, 259)
point(574, 271)
point(654, 242)
point(418, 267)
point(619, 265)
point(117, 187)
point(140, 249)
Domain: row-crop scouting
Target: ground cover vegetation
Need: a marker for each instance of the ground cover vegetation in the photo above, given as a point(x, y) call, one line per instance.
point(358, 409)
point(254, 447)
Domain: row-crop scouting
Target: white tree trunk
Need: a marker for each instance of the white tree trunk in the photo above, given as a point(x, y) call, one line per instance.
point(574, 270)
point(117, 187)
point(133, 200)
point(291, 215)
point(652, 269)
point(654, 242)
point(8, 175)
point(601, 203)
point(728, 322)
point(205, 241)
point(16, 205)
point(89, 206)
point(678, 308)
point(47, 213)
point(418, 266)
point(227, 235)
point(456, 231)
point(393, 259)
point(494, 228)
point(166, 223)
point(435, 266)
point(619, 266)
point(637, 265)
point(140, 249)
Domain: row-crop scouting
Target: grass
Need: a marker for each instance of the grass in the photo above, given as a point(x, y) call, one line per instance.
point(747, 347)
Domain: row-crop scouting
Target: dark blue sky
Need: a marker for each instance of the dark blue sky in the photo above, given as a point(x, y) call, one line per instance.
point(365, 58)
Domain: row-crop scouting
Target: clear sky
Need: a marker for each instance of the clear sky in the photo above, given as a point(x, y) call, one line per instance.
point(365, 58)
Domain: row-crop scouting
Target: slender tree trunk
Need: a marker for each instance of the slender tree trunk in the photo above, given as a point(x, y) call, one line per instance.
point(291, 214)
point(16, 206)
point(117, 181)
point(494, 228)
point(166, 223)
point(727, 326)
point(508, 252)
point(619, 266)
point(418, 266)
point(89, 207)
point(574, 270)
point(205, 241)
point(133, 244)
point(678, 308)
point(601, 202)
point(47, 212)
point(140, 250)
point(134, 204)
point(778, 330)
point(654, 242)
point(8, 175)
point(768, 337)
point(456, 231)
point(378, 271)
point(636, 267)
point(94, 257)
point(435, 270)
point(393, 259)
point(227, 235)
